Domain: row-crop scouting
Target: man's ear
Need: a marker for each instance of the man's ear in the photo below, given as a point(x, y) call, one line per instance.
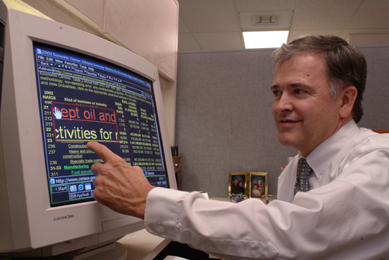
point(348, 96)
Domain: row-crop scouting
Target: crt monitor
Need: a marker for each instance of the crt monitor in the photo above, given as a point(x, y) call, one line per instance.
point(3, 19)
point(63, 87)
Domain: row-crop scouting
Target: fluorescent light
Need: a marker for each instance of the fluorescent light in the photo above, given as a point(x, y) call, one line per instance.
point(265, 39)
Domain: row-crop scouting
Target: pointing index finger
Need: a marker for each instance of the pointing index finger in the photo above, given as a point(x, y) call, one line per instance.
point(102, 151)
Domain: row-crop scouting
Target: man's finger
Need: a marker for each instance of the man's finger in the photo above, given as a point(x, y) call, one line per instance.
point(102, 151)
point(95, 168)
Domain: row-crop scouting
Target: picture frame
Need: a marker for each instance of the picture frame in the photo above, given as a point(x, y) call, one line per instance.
point(237, 183)
point(258, 184)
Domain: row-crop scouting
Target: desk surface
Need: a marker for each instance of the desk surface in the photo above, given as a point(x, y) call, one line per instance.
point(142, 245)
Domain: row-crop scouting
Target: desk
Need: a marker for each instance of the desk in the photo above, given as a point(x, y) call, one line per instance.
point(142, 245)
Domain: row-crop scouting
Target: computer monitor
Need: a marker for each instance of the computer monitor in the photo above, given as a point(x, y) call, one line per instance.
point(3, 19)
point(61, 88)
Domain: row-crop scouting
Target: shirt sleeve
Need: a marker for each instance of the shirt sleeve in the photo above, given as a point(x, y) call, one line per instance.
point(345, 219)
point(190, 218)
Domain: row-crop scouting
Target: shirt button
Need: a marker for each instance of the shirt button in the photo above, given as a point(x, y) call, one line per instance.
point(160, 229)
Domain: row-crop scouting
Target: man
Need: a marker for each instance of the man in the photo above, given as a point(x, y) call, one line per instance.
point(336, 209)
point(235, 189)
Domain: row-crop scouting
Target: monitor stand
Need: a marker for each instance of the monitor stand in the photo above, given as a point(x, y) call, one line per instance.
point(113, 251)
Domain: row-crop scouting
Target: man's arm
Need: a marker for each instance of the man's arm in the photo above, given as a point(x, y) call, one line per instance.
point(345, 219)
point(118, 185)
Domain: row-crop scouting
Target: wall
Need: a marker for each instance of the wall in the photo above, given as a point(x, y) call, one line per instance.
point(224, 120)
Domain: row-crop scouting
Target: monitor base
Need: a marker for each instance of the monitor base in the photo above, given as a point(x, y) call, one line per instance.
point(114, 251)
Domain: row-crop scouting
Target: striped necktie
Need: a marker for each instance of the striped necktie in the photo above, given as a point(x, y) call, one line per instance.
point(303, 172)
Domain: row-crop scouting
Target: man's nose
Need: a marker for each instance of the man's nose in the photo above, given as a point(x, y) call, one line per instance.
point(284, 103)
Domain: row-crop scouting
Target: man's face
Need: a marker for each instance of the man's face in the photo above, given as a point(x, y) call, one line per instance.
point(304, 111)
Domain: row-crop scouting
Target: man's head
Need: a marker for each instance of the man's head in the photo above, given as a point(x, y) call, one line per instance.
point(318, 86)
point(346, 66)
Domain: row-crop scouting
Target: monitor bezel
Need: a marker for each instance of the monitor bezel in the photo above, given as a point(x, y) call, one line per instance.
point(33, 220)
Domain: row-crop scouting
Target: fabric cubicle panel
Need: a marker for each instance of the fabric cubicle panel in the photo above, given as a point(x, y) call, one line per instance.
point(376, 96)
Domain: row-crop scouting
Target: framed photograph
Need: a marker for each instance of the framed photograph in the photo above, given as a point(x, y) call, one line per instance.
point(237, 183)
point(258, 184)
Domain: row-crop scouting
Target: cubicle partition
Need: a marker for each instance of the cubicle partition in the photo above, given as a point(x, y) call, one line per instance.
point(224, 121)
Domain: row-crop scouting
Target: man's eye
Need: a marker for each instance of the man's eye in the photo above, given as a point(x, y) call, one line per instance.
point(299, 91)
point(276, 92)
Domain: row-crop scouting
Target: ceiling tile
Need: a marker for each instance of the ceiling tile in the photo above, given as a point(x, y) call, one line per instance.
point(209, 16)
point(220, 41)
point(363, 39)
point(365, 32)
point(294, 34)
point(186, 42)
point(323, 14)
point(371, 14)
point(182, 28)
point(264, 5)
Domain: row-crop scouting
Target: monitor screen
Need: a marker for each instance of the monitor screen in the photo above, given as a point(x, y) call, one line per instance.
point(85, 99)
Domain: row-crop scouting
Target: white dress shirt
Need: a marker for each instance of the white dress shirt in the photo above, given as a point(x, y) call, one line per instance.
point(345, 215)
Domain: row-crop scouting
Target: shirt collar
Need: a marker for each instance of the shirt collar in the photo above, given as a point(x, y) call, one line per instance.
point(322, 158)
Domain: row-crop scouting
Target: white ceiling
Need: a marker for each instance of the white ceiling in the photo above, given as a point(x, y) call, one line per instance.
point(215, 24)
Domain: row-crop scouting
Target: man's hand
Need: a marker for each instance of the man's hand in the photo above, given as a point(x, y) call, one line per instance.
point(119, 186)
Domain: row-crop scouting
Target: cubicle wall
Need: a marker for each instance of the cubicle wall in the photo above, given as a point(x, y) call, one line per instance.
point(224, 122)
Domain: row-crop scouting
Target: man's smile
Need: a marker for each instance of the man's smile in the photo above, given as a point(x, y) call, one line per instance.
point(286, 122)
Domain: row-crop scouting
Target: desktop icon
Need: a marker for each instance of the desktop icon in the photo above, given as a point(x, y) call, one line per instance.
point(88, 186)
point(73, 188)
point(80, 187)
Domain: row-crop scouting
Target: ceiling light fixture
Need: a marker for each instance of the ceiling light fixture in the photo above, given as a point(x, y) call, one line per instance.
point(264, 39)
